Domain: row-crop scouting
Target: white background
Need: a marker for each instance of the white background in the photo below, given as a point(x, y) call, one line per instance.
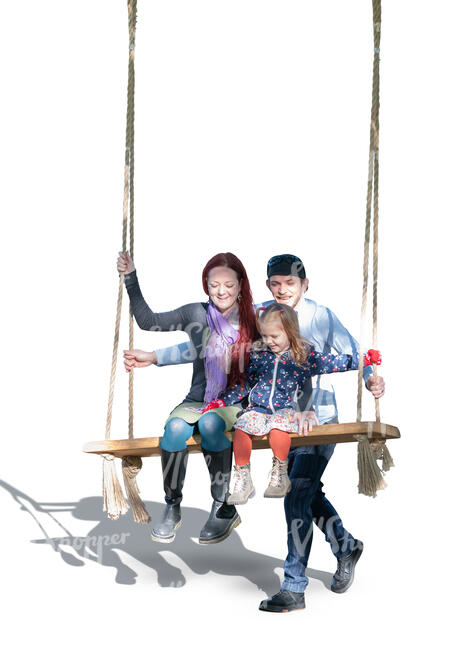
point(252, 126)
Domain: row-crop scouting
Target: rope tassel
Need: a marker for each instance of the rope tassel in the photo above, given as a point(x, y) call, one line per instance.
point(131, 466)
point(387, 460)
point(114, 500)
point(370, 475)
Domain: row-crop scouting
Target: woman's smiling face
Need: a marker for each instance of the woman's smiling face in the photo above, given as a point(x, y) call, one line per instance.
point(224, 288)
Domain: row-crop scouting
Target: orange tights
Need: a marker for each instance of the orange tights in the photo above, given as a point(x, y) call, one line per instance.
point(280, 443)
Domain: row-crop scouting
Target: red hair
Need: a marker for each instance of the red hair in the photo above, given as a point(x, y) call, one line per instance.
point(240, 353)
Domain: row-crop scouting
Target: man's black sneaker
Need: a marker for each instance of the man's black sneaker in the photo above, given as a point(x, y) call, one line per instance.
point(344, 576)
point(283, 601)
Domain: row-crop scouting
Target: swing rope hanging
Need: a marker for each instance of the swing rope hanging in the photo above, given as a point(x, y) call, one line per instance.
point(370, 476)
point(371, 436)
point(114, 500)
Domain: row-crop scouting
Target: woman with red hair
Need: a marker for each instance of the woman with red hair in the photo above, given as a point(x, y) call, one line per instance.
point(221, 331)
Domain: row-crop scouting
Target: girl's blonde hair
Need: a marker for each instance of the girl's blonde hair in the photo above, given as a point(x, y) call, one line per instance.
point(300, 347)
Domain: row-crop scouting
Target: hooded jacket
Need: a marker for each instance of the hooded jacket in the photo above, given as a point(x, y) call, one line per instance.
point(274, 382)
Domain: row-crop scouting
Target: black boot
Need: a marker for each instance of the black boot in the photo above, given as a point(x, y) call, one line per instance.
point(344, 576)
point(223, 518)
point(283, 601)
point(173, 464)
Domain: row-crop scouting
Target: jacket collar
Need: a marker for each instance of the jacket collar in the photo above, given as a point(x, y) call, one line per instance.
point(286, 356)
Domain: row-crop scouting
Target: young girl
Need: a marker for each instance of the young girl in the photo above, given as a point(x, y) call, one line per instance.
point(278, 368)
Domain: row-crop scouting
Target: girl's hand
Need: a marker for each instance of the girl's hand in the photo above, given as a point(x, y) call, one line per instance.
point(306, 419)
point(124, 263)
point(138, 359)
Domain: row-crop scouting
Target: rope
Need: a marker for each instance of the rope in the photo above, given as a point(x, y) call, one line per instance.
point(114, 499)
point(369, 452)
point(128, 205)
point(372, 198)
point(129, 149)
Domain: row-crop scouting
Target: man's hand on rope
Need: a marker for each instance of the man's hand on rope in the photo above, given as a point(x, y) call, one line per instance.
point(138, 359)
point(305, 420)
point(124, 263)
point(377, 386)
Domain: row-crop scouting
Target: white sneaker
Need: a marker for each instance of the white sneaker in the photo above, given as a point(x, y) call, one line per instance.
point(243, 488)
point(279, 484)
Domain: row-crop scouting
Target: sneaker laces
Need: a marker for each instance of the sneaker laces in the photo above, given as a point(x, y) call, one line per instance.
point(240, 478)
point(275, 474)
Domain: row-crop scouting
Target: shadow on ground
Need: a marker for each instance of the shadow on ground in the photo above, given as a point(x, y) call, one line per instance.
point(108, 536)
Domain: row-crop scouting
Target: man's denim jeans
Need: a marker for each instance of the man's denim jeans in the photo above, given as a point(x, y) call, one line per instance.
point(304, 503)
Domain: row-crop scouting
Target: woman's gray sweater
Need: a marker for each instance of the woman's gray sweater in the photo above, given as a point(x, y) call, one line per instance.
point(191, 319)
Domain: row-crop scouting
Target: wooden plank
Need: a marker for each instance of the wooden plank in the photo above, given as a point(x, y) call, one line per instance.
point(321, 435)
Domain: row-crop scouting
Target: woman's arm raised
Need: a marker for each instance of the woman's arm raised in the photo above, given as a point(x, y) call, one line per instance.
point(177, 319)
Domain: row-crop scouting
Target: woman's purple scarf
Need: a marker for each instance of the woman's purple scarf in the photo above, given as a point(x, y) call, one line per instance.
point(222, 335)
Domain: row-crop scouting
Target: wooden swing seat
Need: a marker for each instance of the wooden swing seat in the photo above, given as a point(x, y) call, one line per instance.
point(321, 435)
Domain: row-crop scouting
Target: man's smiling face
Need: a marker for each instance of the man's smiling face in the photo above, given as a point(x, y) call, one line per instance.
point(287, 289)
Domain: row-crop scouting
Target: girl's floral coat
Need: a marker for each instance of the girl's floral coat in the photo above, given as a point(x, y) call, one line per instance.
point(273, 382)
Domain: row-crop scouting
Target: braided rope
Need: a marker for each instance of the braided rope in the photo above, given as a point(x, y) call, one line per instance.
point(372, 197)
point(129, 146)
point(128, 205)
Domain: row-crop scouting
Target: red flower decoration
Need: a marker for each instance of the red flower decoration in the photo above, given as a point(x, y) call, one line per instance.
point(372, 356)
point(215, 404)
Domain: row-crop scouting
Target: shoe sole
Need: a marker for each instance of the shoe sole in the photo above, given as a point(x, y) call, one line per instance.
point(354, 562)
point(234, 524)
point(277, 496)
point(166, 540)
point(275, 609)
point(241, 502)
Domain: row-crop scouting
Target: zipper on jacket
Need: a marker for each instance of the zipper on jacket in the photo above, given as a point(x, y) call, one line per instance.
point(250, 393)
point(275, 370)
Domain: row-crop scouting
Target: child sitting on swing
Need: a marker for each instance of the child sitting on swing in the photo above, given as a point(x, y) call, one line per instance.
point(279, 366)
